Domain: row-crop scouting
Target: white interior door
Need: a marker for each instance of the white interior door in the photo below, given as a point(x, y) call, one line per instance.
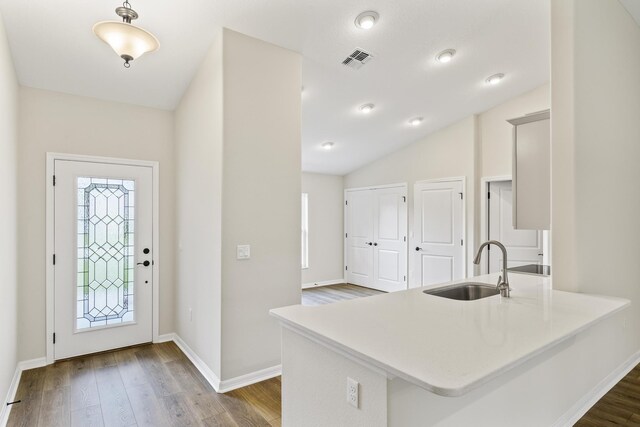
point(438, 232)
point(359, 213)
point(102, 244)
point(523, 246)
point(389, 239)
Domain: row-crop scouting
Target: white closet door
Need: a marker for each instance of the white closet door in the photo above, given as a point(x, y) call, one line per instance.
point(389, 239)
point(438, 228)
point(360, 237)
point(523, 246)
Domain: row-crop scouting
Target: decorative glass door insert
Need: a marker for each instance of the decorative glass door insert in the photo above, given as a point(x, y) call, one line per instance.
point(105, 280)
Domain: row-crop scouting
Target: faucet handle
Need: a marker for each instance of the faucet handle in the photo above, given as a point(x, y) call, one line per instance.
point(499, 281)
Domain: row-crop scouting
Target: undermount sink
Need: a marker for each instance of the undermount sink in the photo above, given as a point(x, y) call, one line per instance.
point(467, 291)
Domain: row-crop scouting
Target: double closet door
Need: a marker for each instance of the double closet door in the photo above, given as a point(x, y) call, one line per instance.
point(376, 238)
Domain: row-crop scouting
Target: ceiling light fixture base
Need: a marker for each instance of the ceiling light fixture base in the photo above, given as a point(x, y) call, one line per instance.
point(126, 13)
point(367, 19)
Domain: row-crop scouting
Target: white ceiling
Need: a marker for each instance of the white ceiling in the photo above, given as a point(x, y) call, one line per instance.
point(53, 48)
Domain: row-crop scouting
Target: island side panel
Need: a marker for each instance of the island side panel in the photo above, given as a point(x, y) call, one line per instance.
point(314, 387)
point(551, 389)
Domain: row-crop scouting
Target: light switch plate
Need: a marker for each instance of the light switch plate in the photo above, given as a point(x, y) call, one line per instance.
point(243, 252)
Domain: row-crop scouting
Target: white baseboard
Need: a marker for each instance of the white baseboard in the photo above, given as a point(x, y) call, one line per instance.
point(165, 338)
point(11, 395)
point(583, 405)
point(324, 283)
point(251, 378)
point(208, 374)
point(232, 383)
point(25, 365)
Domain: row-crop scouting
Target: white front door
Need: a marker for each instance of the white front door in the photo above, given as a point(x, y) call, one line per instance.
point(389, 239)
point(438, 232)
point(359, 211)
point(523, 246)
point(103, 260)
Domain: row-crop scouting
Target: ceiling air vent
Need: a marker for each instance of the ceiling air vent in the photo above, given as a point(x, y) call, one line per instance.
point(357, 59)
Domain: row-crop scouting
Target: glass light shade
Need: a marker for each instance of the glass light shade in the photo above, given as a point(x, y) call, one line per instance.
point(125, 39)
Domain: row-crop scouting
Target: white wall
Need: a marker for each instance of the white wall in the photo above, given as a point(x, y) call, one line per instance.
point(496, 134)
point(449, 152)
point(595, 151)
point(326, 228)
point(260, 198)
point(198, 138)
point(238, 184)
point(8, 216)
point(57, 122)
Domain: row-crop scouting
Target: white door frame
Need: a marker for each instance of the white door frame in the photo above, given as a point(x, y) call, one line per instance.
point(484, 218)
point(346, 224)
point(484, 209)
point(468, 239)
point(50, 225)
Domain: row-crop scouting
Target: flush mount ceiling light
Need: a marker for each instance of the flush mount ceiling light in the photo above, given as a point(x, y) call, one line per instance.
point(367, 19)
point(327, 145)
point(495, 79)
point(445, 56)
point(366, 108)
point(416, 121)
point(127, 40)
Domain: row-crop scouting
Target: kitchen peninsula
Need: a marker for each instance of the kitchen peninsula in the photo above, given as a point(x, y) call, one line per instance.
point(423, 360)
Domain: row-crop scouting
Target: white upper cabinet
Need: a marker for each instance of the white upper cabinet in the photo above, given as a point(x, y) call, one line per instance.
point(532, 171)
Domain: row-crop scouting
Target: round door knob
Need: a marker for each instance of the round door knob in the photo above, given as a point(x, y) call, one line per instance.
point(146, 263)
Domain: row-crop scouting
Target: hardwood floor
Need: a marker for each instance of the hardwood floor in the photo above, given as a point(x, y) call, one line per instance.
point(150, 385)
point(156, 385)
point(333, 293)
point(619, 407)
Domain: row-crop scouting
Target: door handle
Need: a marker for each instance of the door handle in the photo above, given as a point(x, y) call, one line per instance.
point(375, 244)
point(418, 248)
point(368, 243)
point(146, 263)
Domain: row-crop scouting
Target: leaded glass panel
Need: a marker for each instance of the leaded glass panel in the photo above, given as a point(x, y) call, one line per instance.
point(105, 282)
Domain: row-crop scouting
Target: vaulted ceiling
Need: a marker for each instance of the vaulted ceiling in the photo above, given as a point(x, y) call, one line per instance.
point(54, 48)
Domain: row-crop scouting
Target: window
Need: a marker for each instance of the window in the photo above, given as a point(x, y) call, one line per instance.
point(305, 230)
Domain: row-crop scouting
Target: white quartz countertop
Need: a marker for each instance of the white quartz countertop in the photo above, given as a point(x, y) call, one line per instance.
point(447, 346)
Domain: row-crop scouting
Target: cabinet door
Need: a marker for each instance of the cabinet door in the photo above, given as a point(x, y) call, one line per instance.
point(532, 176)
point(389, 239)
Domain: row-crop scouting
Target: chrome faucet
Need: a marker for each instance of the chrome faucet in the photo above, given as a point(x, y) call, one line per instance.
point(503, 281)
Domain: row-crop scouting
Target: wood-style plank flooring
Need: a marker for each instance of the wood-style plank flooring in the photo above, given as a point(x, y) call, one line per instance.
point(150, 385)
point(619, 407)
point(333, 293)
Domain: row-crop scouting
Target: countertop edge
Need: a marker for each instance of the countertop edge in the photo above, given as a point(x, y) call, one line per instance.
point(392, 372)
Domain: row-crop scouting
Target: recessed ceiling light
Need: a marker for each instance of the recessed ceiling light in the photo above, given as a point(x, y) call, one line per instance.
point(495, 79)
point(366, 108)
point(327, 145)
point(416, 121)
point(445, 56)
point(367, 19)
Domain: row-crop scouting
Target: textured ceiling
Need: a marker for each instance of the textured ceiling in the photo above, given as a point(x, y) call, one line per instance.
point(53, 48)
